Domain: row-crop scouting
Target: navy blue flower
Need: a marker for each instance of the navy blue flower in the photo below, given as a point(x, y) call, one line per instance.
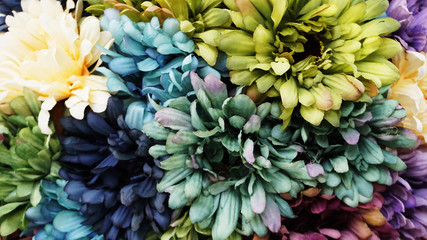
point(111, 174)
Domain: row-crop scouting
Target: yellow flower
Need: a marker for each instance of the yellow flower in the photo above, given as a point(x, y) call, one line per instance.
point(47, 51)
point(411, 90)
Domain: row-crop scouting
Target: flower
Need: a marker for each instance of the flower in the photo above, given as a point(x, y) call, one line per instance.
point(312, 54)
point(6, 8)
point(348, 160)
point(54, 61)
point(325, 217)
point(110, 173)
point(411, 90)
point(159, 54)
point(26, 157)
point(57, 217)
point(405, 201)
point(411, 14)
point(198, 19)
point(226, 159)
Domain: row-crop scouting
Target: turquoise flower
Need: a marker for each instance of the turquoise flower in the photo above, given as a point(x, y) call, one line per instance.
point(57, 217)
point(150, 58)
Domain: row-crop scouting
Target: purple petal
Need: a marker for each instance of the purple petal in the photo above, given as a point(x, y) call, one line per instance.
point(315, 169)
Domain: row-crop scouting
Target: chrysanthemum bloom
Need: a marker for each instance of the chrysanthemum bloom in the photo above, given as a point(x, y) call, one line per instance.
point(405, 205)
point(411, 90)
point(57, 217)
point(312, 54)
point(198, 19)
point(110, 173)
point(26, 157)
point(226, 159)
point(46, 51)
point(348, 160)
point(159, 54)
point(412, 15)
point(325, 217)
point(181, 227)
point(6, 8)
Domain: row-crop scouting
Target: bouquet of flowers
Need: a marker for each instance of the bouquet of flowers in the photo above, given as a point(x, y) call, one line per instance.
point(213, 119)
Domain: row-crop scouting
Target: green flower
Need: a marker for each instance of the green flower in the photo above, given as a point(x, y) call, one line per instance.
point(199, 19)
point(312, 54)
point(223, 158)
point(347, 160)
point(183, 228)
point(26, 157)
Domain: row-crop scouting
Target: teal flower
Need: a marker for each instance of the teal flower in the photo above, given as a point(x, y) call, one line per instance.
point(348, 160)
point(57, 217)
point(225, 159)
point(149, 58)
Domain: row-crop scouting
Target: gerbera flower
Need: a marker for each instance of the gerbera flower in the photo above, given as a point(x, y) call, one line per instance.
point(411, 90)
point(46, 51)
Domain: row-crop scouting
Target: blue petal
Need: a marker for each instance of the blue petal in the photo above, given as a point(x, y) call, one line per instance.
point(147, 65)
point(98, 124)
point(135, 115)
point(79, 233)
point(168, 49)
point(123, 66)
point(122, 217)
point(93, 197)
point(189, 63)
point(171, 26)
point(75, 190)
point(146, 188)
point(108, 162)
point(181, 41)
point(132, 47)
point(162, 38)
point(66, 221)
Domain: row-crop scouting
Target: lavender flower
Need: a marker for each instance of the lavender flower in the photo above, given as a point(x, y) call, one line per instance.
point(412, 15)
point(405, 205)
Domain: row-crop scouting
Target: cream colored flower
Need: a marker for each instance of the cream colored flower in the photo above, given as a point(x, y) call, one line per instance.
point(411, 90)
point(47, 51)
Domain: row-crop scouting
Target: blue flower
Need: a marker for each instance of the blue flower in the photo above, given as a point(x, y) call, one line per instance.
point(57, 217)
point(111, 174)
point(150, 58)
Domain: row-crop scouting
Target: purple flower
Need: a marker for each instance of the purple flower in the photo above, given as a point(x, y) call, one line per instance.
point(405, 205)
point(412, 15)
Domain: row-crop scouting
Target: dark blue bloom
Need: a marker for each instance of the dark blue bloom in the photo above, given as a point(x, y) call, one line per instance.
point(111, 174)
point(58, 218)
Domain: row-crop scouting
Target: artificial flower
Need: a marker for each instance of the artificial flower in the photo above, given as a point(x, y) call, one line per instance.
point(325, 217)
point(58, 218)
point(411, 15)
point(226, 158)
point(311, 54)
point(348, 160)
point(405, 205)
point(46, 51)
point(411, 90)
point(198, 19)
point(111, 174)
point(159, 54)
point(26, 157)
